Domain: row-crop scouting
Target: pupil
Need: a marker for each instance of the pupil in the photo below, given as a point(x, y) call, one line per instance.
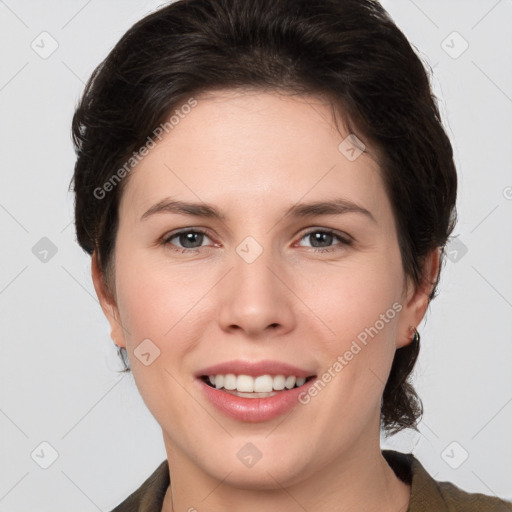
point(187, 238)
point(318, 237)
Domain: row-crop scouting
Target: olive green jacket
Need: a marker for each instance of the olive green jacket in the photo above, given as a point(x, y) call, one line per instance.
point(427, 495)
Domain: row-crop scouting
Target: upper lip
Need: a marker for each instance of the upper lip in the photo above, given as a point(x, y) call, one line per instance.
point(254, 369)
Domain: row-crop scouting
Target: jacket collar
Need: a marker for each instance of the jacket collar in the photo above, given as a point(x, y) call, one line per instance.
point(425, 493)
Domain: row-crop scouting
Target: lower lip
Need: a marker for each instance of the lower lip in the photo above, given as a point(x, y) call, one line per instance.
point(254, 409)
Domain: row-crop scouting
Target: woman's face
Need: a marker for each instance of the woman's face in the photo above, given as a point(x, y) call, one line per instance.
point(265, 291)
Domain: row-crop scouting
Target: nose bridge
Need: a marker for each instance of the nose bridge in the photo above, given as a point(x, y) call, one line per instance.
point(252, 265)
point(255, 300)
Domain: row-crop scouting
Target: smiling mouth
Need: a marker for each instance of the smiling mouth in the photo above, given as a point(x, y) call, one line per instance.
point(246, 386)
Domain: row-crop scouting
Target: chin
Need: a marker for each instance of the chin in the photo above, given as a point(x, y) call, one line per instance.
point(242, 465)
point(262, 476)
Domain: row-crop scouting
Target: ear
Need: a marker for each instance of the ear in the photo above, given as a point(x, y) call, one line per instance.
point(107, 302)
point(416, 301)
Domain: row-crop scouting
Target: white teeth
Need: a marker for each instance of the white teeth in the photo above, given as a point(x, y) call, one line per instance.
point(260, 384)
point(279, 381)
point(290, 382)
point(230, 381)
point(263, 384)
point(251, 395)
point(245, 383)
point(219, 381)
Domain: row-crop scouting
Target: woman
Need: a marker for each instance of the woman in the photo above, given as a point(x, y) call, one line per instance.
point(266, 190)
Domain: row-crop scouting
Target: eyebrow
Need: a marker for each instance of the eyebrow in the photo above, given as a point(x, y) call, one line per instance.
point(336, 206)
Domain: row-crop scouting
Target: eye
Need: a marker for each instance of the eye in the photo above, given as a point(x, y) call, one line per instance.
point(324, 237)
point(190, 240)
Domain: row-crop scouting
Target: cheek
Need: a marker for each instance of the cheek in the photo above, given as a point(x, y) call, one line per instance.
point(155, 301)
point(359, 306)
point(160, 299)
point(348, 296)
point(160, 304)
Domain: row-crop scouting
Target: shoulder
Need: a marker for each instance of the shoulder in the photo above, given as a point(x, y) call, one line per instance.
point(429, 495)
point(459, 500)
point(149, 497)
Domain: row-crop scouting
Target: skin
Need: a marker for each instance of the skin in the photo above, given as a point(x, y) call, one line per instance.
point(252, 155)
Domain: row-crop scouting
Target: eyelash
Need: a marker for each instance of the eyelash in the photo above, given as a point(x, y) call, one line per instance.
point(344, 241)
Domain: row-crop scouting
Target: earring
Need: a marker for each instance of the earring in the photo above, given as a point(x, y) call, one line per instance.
point(416, 335)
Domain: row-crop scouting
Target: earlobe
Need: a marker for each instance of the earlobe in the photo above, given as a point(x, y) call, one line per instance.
point(107, 303)
point(412, 335)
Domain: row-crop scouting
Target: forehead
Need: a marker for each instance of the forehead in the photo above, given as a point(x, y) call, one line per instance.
point(252, 147)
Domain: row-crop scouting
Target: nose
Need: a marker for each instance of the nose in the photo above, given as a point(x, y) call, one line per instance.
point(255, 298)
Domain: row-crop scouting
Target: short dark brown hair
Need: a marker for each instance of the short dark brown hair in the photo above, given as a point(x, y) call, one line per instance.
point(347, 51)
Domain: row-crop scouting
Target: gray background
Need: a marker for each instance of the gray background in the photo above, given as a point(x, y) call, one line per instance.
point(58, 380)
